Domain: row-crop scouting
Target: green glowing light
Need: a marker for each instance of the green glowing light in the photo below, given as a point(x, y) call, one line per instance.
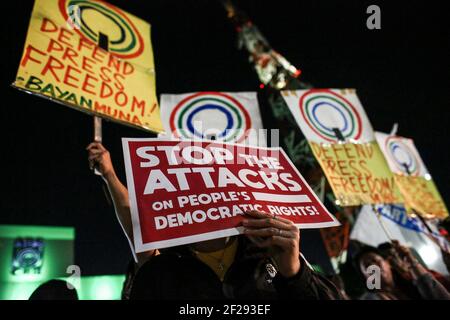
point(57, 251)
point(57, 256)
point(101, 287)
point(90, 288)
point(17, 291)
point(50, 232)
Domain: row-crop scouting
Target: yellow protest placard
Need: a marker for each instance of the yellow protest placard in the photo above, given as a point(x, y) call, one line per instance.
point(421, 195)
point(357, 173)
point(412, 176)
point(63, 61)
point(342, 140)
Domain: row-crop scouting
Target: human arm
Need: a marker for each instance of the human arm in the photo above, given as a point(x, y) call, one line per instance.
point(428, 286)
point(100, 158)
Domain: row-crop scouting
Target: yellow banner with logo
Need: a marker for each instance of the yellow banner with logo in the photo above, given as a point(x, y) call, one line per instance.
point(94, 57)
point(357, 173)
point(422, 196)
point(412, 176)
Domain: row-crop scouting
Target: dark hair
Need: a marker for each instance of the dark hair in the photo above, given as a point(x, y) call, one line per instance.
point(54, 290)
point(384, 247)
point(404, 285)
point(361, 252)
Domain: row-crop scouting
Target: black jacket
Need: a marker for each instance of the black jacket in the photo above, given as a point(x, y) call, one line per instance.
point(177, 274)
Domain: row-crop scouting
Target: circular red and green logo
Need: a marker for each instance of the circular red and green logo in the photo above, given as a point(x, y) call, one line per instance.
point(90, 18)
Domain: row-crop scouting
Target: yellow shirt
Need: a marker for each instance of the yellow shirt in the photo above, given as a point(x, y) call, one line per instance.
point(219, 261)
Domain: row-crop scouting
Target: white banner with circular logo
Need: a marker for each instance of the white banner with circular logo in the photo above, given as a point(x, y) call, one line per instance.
point(329, 115)
point(401, 155)
point(220, 116)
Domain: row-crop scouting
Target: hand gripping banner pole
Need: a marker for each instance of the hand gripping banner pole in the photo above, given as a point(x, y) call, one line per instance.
point(98, 132)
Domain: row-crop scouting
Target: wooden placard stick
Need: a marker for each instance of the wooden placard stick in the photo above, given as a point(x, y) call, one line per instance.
point(98, 130)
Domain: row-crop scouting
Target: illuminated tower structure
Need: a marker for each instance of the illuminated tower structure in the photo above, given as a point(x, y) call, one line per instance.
point(275, 73)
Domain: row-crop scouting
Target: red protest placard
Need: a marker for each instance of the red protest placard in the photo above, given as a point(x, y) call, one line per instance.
point(189, 191)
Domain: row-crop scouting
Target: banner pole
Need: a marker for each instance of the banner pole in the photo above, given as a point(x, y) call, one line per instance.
point(97, 123)
point(386, 232)
point(98, 137)
point(98, 130)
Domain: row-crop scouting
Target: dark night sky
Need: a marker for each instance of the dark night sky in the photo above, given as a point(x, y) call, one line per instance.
point(401, 73)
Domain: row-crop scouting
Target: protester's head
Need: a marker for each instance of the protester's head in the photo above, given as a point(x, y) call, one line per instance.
point(54, 290)
point(367, 258)
point(386, 249)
